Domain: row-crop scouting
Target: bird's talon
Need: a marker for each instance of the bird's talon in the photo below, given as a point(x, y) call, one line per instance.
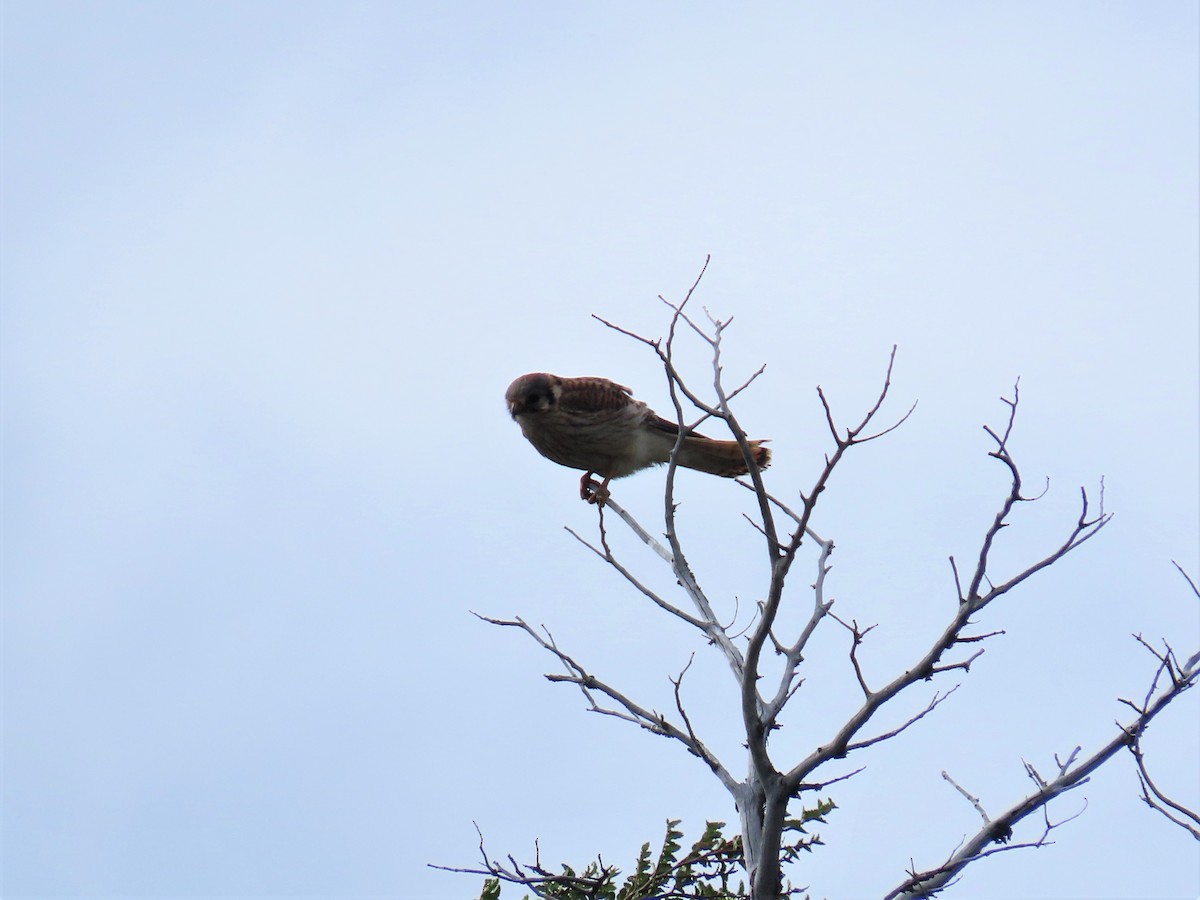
point(593, 491)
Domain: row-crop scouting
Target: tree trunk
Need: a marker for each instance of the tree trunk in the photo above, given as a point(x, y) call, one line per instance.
point(762, 812)
point(768, 881)
point(750, 805)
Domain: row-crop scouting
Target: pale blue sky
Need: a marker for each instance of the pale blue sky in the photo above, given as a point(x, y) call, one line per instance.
point(268, 269)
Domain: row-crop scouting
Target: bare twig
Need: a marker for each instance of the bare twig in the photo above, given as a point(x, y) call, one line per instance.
point(1084, 529)
point(957, 582)
point(822, 785)
point(938, 699)
point(971, 797)
point(857, 635)
point(629, 710)
point(1194, 660)
point(1177, 813)
point(606, 554)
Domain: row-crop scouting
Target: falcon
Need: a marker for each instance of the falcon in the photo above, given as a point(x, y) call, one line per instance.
point(595, 425)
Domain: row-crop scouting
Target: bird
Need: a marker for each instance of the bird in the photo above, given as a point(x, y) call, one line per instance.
point(596, 425)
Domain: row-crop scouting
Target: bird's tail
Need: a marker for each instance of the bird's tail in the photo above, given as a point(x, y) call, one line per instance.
point(722, 458)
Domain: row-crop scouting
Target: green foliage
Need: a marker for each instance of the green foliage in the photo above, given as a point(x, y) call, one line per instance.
point(789, 851)
point(711, 870)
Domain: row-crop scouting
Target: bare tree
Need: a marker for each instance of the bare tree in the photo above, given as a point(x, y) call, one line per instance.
point(770, 786)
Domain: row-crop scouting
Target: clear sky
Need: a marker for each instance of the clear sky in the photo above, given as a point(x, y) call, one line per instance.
point(267, 270)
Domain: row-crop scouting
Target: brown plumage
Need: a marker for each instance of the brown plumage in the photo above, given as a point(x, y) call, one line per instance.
point(595, 425)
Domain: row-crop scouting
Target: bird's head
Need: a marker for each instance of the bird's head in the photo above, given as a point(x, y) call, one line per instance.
point(533, 393)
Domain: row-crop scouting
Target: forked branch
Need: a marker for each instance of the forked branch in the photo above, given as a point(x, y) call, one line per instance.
point(627, 708)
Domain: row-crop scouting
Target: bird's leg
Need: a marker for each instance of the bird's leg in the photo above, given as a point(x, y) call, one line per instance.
point(593, 491)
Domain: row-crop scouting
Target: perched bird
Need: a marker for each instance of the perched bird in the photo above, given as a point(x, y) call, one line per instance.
point(595, 425)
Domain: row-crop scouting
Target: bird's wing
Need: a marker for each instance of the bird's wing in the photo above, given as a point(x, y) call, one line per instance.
point(594, 395)
point(672, 428)
point(654, 420)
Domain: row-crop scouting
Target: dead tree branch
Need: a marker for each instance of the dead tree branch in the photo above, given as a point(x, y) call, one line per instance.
point(630, 710)
point(763, 795)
